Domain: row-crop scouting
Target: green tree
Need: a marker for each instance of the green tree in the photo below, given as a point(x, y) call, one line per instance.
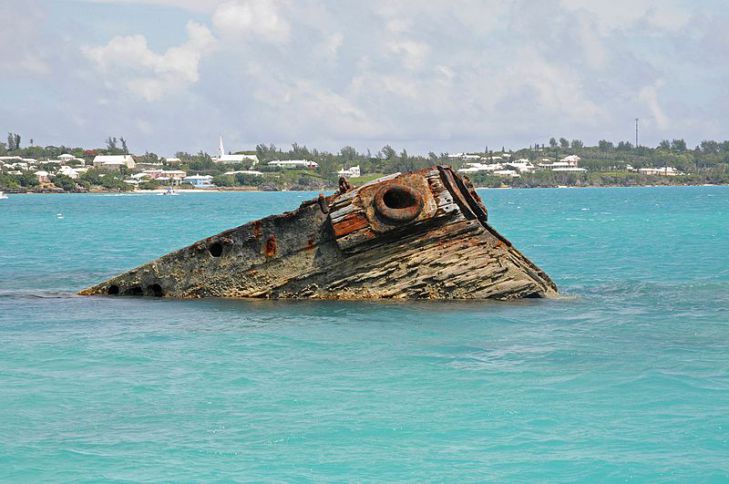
point(28, 180)
point(678, 145)
point(9, 182)
point(224, 180)
point(709, 147)
point(248, 180)
point(388, 153)
point(328, 166)
point(563, 143)
point(13, 141)
point(552, 142)
point(349, 153)
point(64, 182)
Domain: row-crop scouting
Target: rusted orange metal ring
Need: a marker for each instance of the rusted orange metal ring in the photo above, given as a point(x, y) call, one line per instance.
point(398, 203)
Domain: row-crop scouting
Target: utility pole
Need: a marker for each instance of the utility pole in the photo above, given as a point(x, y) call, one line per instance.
point(636, 132)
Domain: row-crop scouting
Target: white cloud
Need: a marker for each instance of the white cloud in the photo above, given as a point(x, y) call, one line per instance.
point(193, 5)
point(649, 96)
point(622, 14)
point(303, 107)
point(407, 72)
point(128, 60)
point(21, 47)
point(610, 15)
point(596, 55)
point(331, 45)
point(412, 53)
point(668, 17)
point(252, 19)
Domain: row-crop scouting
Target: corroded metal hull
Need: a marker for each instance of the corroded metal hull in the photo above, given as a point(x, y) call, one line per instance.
point(418, 235)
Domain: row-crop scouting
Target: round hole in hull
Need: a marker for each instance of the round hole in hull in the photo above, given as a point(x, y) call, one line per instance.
point(155, 290)
point(216, 249)
point(113, 290)
point(398, 203)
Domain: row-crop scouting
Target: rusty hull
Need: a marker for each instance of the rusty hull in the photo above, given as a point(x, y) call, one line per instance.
point(418, 235)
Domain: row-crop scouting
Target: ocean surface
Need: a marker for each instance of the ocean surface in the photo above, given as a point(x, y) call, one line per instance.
point(626, 378)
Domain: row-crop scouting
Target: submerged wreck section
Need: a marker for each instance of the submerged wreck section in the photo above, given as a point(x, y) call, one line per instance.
point(418, 235)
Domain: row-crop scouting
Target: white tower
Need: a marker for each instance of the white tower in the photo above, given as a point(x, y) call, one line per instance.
point(222, 150)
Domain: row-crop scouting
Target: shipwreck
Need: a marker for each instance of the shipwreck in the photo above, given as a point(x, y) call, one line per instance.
point(418, 235)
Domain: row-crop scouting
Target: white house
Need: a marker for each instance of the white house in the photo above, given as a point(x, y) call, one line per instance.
point(464, 156)
point(200, 181)
point(227, 159)
point(511, 173)
point(498, 169)
point(568, 163)
point(65, 158)
point(165, 175)
point(665, 171)
point(294, 164)
point(352, 172)
point(572, 160)
point(480, 167)
point(235, 159)
point(69, 172)
point(522, 165)
point(568, 168)
point(244, 172)
point(114, 161)
point(43, 176)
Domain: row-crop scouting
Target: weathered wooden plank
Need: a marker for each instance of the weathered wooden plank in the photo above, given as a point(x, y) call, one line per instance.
point(350, 223)
point(338, 215)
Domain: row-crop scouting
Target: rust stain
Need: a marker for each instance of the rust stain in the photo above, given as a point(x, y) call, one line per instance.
point(398, 203)
point(257, 229)
point(310, 243)
point(323, 205)
point(349, 224)
point(271, 246)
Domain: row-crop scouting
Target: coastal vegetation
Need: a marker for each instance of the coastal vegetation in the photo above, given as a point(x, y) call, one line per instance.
point(32, 168)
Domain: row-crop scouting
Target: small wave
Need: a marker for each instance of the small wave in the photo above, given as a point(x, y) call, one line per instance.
point(35, 294)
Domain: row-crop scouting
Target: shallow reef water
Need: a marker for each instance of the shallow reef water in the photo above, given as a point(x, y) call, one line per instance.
point(626, 377)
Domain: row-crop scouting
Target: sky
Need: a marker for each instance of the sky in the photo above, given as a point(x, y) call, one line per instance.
point(426, 75)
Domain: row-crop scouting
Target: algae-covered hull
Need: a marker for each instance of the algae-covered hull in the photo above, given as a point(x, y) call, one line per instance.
point(418, 235)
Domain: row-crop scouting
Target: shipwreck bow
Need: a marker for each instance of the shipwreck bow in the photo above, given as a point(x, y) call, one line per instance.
point(418, 235)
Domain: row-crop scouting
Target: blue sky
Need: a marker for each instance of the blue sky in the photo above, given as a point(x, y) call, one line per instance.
point(173, 75)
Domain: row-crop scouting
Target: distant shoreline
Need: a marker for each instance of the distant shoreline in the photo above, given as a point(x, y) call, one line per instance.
point(329, 189)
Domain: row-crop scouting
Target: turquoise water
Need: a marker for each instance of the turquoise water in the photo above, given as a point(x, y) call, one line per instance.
point(625, 379)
